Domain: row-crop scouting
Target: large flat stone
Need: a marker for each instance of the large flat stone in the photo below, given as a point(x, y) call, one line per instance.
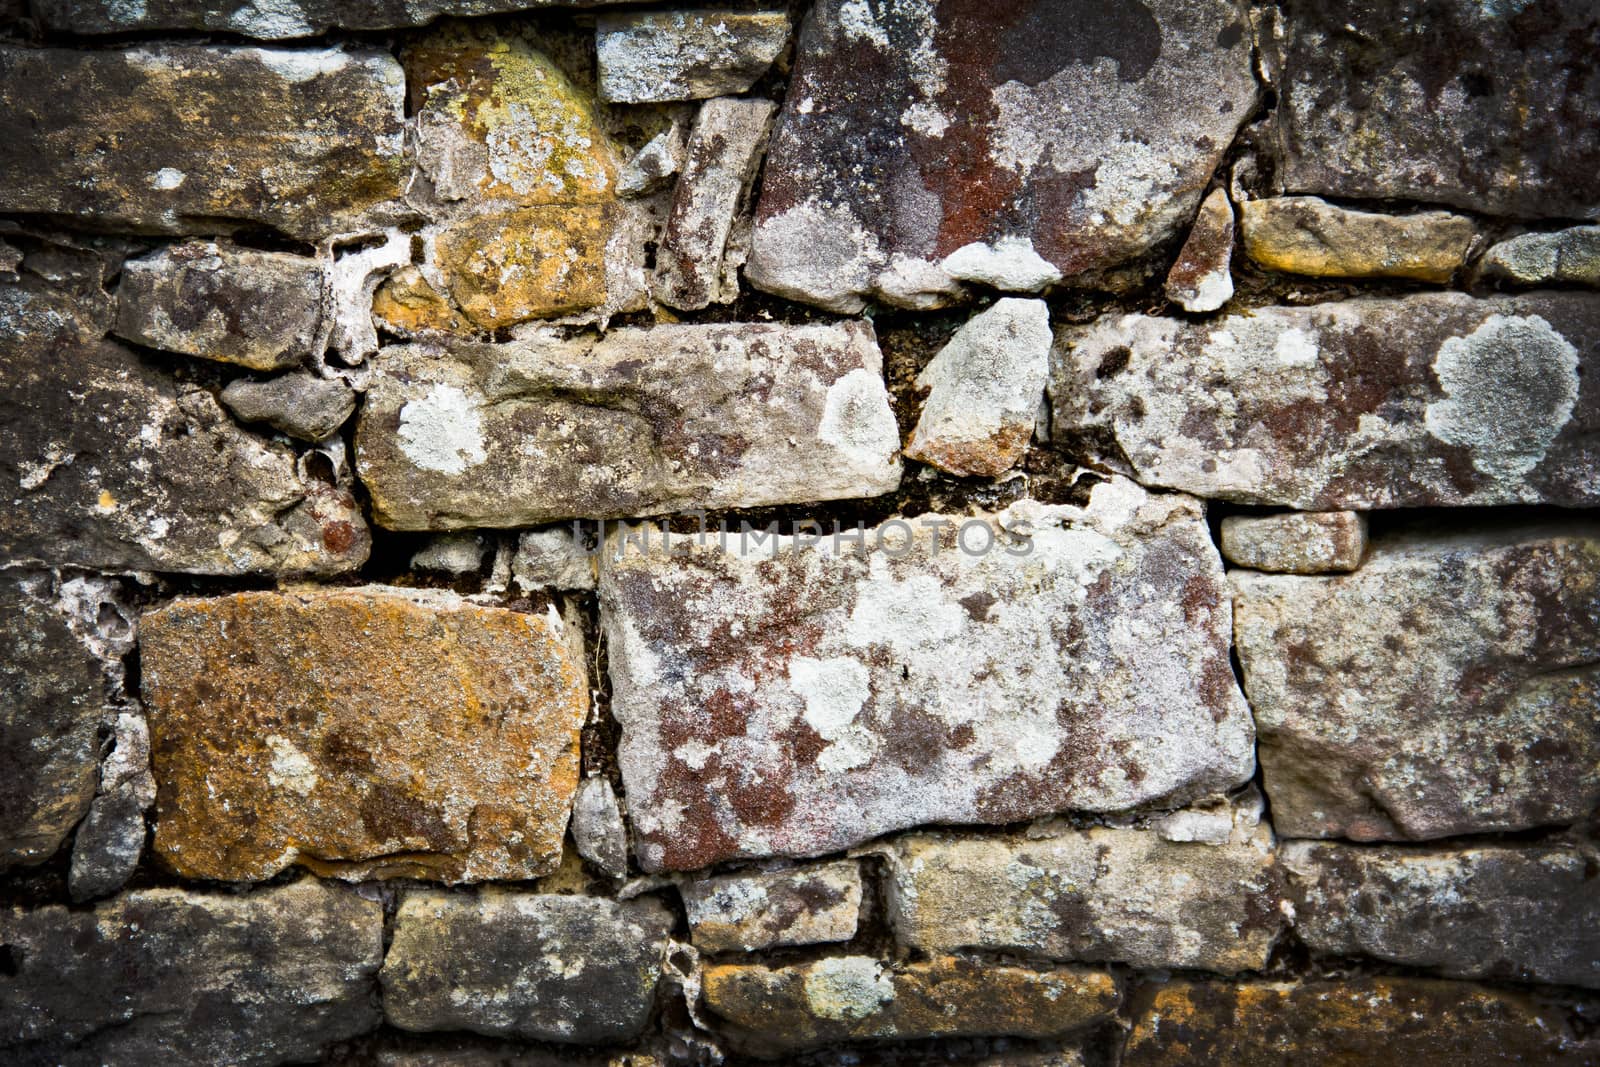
point(1421, 401)
point(637, 422)
point(1499, 912)
point(539, 967)
point(796, 699)
point(771, 1011)
point(1491, 107)
point(172, 976)
point(914, 131)
point(361, 732)
point(1100, 895)
point(1358, 1021)
point(192, 139)
point(112, 463)
point(271, 21)
point(1449, 686)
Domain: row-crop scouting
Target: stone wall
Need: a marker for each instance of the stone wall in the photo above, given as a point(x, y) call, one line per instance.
point(1032, 533)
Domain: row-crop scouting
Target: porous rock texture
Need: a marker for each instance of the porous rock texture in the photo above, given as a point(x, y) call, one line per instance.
point(921, 131)
point(1307, 235)
point(355, 772)
point(1419, 401)
point(793, 699)
point(807, 905)
point(657, 57)
point(1296, 542)
point(1498, 731)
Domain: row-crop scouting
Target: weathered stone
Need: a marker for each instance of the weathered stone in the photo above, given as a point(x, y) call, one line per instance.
point(166, 975)
point(300, 404)
point(408, 306)
point(277, 741)
point(772, 1011)
point(523, 176)
point(661, 56)
point(1483, 106)
point(552, 558)
point(1308, 235)
point(1565, 257)
point(261, 310)
point(354, 276)
point(598, 831)
point(1300, 542)
point(1358, 1021)
point(656, 164)
point(129, 469)
point(1449, 686)
point(487, 1052)
point(1501, 912)
point(196, 139)
point(451, 554)
point(110, 839)
point(749, 912)
point(984, 390)
point(917, 130)
point(798, 696)
point(1202, 278)
point(53, 696)
point(720, 163)
point(577, 970)
point(1099, 895)
point(271, 21)
point(1427, 400)
point(636, 422)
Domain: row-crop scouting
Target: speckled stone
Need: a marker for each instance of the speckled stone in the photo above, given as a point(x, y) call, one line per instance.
point(538, 967)
point(1447, 687)
point(770, 1011)
point(1520, 913)
point(1562, 257)
point(110, 841)
point(171, 138)
point(1437, 399)
point(300, 404)
point(807, 905)
point(921, 143)
point(789, 698)
point(637, 422)
point(174, 976)
point(660, 56)
point(271, 21)
point(1296, 542)
point(1308, 235)
point(367, 732)
point(1357, 1021)
point(1202, 278)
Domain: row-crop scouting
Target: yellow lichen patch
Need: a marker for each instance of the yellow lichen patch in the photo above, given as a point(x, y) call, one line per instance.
point(527, 264)
point(407, 305)
point(369, 732)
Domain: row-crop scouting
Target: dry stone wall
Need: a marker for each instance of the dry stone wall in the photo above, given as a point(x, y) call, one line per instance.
point(1038, 533)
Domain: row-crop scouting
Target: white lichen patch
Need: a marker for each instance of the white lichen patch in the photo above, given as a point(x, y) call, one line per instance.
point(442, 431)
point(290, 768)
point(856, 421)
point(847, 988)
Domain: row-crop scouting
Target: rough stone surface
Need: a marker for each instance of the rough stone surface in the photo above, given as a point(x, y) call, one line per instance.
point(300, 404)
point(408, 306)
point(794, 699)
point(261, 310)
point(270, 21)
point(662, 56)
point(984, 390)
point(1299, 542)
point(918, 130)
point(772, 1011)
point(1428, 400)
point(1565, 257)
point(1449, 686)
point(598, 831)
point(1308, 235)
point(1356, 1021)
point(54, 688)
point(552, 558)
point(720, 162)
point(1202, 278)
point(367, 732)
point(575, 970)
point(656, 164)
point(451, 554)
point(110, 840)
point(170, 976)
point(192, 139)
point(636, 422)
point(1519, 913)
point(1098, 895)
point(748, 912)
point(131, 469)
point(1482, 106)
